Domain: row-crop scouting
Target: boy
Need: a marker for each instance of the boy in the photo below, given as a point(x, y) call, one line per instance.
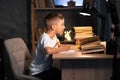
point(48, 44)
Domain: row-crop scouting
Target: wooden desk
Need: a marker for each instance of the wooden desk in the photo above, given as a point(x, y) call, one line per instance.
point(76, 66)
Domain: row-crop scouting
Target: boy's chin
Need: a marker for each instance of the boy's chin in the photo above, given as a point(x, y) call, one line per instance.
point(60, 34)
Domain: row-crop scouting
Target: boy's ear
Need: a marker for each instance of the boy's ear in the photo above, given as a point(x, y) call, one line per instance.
point(53, 26)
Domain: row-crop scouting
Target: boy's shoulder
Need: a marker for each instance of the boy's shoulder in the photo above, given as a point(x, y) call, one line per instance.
point(44, 35)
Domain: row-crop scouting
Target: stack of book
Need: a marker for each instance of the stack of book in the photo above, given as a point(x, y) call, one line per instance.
point(82, 33)
point(91, 45)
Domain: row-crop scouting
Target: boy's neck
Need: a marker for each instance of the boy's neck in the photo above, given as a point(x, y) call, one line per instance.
point(51, 33)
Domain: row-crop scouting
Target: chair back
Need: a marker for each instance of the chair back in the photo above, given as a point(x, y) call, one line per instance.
point(16, 49)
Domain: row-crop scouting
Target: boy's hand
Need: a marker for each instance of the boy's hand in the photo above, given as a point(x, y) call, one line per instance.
point(65, 47)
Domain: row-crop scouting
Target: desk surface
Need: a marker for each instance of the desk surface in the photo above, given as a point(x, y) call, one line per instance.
point(79, 55)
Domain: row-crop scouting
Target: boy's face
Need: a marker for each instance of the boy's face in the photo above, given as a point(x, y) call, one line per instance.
point(59, 26)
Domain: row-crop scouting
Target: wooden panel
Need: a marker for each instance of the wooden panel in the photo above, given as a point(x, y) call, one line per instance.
point(86, 69)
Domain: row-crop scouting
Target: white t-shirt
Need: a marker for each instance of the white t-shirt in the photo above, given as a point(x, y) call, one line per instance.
point(41, 60)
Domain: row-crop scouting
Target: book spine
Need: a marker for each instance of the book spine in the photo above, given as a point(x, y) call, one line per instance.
point(52, 3)
point(43, 3)
point(87, 40)
point(36, 3)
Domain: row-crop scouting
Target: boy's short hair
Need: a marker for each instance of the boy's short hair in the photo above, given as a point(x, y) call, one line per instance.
point(52, 17)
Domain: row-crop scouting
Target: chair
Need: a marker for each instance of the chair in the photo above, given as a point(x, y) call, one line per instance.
point(17, 58)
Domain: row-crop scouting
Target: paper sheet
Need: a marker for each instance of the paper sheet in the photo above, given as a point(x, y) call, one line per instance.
point(68, 52)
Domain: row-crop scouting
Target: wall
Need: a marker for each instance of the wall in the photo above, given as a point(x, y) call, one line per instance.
point(15, 19)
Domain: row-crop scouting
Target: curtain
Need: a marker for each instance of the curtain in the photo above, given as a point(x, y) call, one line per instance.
point(103, 24)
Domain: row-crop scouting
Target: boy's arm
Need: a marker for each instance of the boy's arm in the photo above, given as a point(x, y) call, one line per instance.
point(50, 50)
point(57, 44)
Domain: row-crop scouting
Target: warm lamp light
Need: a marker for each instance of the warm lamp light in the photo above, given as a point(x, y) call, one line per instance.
point(67, 35)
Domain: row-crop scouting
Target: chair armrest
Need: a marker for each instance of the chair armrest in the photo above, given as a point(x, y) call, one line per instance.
point(26, 77)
